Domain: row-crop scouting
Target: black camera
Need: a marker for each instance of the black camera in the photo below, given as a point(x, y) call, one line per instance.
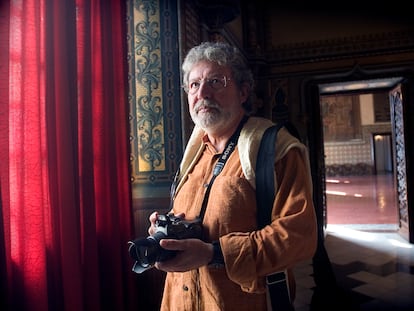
point(147, 251)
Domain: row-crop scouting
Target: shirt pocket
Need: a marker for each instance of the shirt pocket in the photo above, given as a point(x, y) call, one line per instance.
point(231, 206)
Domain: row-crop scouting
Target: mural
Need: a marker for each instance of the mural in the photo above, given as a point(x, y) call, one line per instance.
point(341, 118)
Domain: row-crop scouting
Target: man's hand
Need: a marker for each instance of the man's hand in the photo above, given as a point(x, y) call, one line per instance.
point(191, 254)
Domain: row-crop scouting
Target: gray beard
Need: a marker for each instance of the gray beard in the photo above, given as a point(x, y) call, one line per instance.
point(211, 120)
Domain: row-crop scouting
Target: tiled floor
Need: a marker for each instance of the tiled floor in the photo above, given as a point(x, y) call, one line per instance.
point(361, 200)
point(372, 264)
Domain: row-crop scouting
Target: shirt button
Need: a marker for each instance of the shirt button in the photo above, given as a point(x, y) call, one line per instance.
point(185, 287)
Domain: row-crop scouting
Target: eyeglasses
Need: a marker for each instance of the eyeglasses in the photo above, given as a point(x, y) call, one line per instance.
point(216, 83)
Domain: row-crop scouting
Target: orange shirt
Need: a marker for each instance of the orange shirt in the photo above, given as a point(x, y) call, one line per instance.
point(230, 217)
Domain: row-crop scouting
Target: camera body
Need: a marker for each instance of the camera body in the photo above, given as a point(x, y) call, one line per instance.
point(147, 251)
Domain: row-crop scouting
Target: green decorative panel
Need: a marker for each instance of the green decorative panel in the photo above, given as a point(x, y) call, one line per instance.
point(154, 95)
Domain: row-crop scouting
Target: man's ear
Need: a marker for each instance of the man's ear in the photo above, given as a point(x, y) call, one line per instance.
point(244, 92)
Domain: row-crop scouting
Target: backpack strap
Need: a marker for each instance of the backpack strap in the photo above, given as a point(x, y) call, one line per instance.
point(277, 283)
point(265, 177)
point(265, 183)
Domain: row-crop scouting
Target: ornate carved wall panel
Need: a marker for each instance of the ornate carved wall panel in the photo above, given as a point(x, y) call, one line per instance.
point(154, 95)
point(400, 161)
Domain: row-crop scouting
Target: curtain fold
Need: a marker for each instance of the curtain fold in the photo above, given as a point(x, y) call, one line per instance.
point(66, 212)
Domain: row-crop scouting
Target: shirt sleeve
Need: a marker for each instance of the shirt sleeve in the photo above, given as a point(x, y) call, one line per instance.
point(290, 238)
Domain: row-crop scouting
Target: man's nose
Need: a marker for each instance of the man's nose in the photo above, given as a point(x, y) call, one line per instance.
point(205, 90)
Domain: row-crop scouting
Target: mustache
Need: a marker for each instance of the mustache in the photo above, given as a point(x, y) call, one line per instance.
point(206, 103)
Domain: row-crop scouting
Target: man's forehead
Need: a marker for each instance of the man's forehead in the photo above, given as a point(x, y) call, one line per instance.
point(207, 69)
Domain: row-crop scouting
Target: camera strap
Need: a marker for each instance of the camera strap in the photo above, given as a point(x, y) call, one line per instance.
point(173, 187)
point(231, 145)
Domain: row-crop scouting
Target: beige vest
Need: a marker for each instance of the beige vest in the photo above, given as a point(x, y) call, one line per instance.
point(248, 145)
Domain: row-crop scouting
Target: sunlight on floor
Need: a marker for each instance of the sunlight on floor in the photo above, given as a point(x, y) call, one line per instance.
point(349, 233)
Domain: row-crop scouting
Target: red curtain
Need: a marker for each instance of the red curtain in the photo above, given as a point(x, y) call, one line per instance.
point(65, 214)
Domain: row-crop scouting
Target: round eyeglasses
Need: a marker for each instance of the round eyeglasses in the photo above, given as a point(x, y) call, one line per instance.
point(216, 83)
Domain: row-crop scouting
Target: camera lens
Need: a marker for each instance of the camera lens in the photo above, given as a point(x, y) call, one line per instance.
point(144, 251)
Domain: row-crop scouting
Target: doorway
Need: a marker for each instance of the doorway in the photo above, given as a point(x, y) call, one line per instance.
point(382, 153)
point(359, 174)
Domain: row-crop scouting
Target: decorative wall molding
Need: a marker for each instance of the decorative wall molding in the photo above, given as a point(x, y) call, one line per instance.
point(342, 48)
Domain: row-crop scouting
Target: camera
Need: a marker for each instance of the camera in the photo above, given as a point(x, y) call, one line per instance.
point(147, 251)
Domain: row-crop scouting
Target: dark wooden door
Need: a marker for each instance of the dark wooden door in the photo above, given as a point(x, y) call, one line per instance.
point(400, 131)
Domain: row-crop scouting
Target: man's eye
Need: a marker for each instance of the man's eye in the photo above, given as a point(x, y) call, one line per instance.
point(214, 81)
point(194, 85)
